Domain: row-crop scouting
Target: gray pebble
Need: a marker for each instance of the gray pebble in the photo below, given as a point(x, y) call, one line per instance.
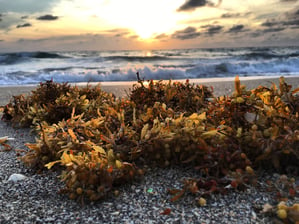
point(36, 200)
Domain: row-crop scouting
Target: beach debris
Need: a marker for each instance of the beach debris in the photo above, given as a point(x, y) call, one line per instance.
point(3, 139)
point(150, 190)
point(15, 177)
point(285, 213)
point(166, 211)
point(100, 142)
point(3, 143)
point(202, 202)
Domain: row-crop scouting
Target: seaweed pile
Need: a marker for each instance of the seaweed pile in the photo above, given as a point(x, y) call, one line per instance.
point(99, 141)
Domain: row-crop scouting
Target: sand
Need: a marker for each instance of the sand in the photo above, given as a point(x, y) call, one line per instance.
point(221, 86)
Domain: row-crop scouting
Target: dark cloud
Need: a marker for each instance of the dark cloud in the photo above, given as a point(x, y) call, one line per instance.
point(212, 29)
point(263, 32)
point(188, 33)
point(293, 14)
point(161, 36)
point(191, 5)
point(289, 20)
point(236, 29)
point(47, 17)
point(234, 15)
point(122, 34)
point(189, 29)
point(291, 23)
point(288, 0)
point(24, 25)
point(269, 23)
point(292, 18)
point(24, 17)
point(271, 30)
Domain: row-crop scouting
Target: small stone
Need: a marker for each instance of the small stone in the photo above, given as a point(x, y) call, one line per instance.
point(116, 213)
point(16, 177)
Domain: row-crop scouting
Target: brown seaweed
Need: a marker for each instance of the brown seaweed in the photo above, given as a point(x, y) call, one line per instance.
point(99, 141)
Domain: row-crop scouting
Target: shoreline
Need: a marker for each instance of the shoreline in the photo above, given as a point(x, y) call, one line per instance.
point(221, 86)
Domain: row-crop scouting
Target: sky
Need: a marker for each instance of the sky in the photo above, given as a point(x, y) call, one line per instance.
point(66, 25)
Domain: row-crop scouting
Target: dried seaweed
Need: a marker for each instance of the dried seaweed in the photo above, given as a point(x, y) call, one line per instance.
point(100, 141)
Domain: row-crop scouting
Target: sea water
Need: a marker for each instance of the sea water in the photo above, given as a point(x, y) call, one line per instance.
point(23, 68)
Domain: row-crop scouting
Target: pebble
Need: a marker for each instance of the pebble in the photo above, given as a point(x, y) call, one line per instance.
point(35, 199)
point(15, 177)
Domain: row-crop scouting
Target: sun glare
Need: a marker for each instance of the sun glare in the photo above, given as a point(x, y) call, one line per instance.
point(148, 54)
point(145, 18)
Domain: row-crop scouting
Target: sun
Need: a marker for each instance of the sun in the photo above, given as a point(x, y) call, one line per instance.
point(144, 18)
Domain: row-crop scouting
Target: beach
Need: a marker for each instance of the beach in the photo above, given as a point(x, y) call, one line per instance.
point(222, 146)
point(36, 200)
point(221, 86)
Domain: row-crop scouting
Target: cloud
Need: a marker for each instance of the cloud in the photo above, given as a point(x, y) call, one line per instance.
point(47, 17)
point(289, 20)
point(27, 6)
point(291, 23)
point(236, 29)
point(84, 41)
point(292, 18)
point(63, 38)
point(212, 29)
point(230, 15)
point(9, 20)
point(122, 34)
point(293, 14)
point(118, 31)
point(234, 15)
point(191, 5)
point(288, 0)
point(161, 36)
point(269, 23)
point(187, 33)
point(24, 25)
point(270, 30)
point(134, 36)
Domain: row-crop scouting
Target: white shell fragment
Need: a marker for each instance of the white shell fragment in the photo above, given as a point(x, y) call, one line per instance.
point(251, 117)
point(16, 177)
point(6, 138)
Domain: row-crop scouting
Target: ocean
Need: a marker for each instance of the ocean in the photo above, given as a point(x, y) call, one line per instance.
point(26, 68)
